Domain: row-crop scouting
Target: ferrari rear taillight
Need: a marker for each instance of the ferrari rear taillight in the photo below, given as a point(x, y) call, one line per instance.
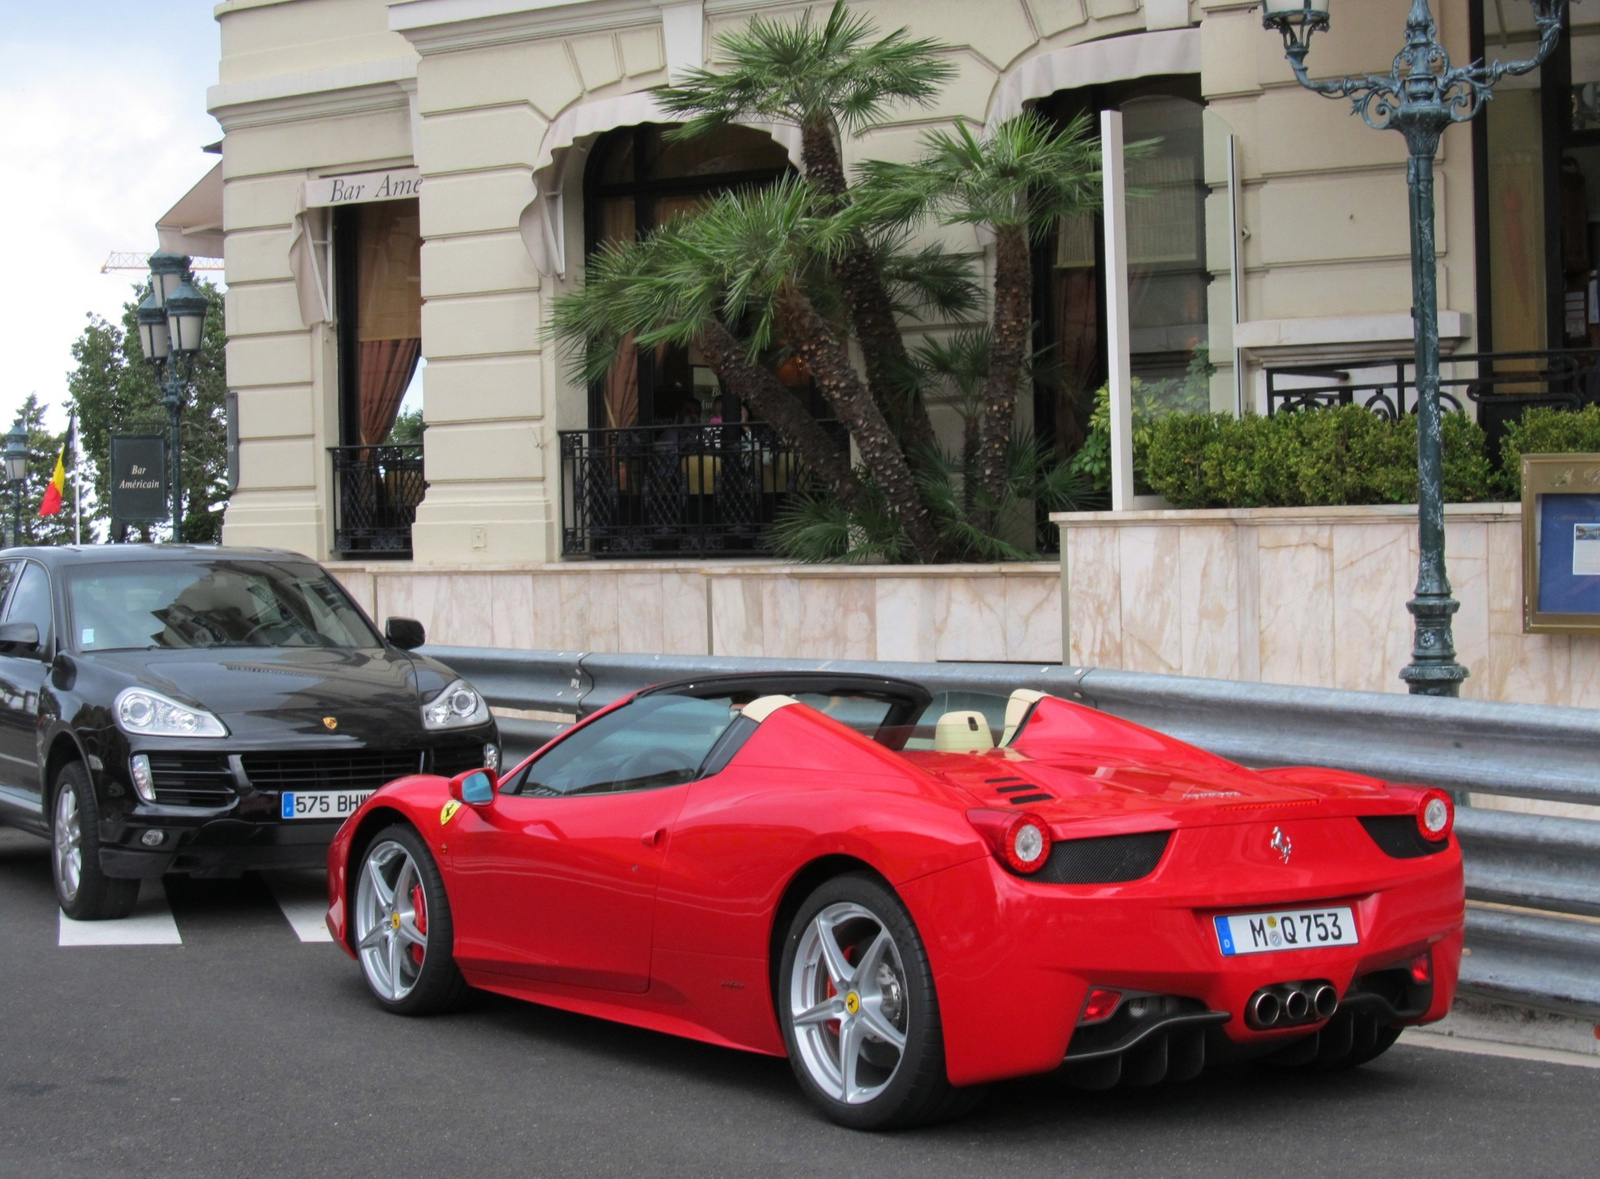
point(1436, 815)
point(1421, 968)
point(1019, 841)
point(1100, 1005)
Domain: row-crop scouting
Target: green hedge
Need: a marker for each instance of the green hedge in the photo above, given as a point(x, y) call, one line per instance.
point(1547, 431)
point(1316, 457)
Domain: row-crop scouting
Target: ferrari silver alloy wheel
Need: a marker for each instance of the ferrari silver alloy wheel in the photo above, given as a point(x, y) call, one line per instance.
point(68, 844)
point(847, 1000)
point(391, 921)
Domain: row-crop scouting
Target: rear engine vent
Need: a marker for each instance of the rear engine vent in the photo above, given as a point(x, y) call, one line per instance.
point(1105, 859)
point(193, 779)
point(1019, 791)
point(330, 769)
point(1399, 836)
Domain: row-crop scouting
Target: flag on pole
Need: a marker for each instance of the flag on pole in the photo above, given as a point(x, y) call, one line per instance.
point(58, 481)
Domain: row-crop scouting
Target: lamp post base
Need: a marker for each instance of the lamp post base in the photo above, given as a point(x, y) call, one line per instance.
point(1433, 670)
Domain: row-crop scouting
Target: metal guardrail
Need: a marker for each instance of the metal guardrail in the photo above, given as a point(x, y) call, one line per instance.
point(1533, 924)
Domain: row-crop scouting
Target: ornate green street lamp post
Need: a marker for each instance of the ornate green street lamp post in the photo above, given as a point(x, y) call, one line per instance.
point(172, 322)
point(1422, 96)
point(16, 462)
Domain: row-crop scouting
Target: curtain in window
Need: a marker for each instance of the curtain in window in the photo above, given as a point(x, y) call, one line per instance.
point(389, 311)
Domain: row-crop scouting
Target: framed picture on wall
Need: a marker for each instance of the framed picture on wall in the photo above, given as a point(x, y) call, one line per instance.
point(1560, 543)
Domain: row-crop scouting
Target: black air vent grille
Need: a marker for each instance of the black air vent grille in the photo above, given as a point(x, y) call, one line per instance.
point(330, 769)
point(1104, 859)
point(1399, 836)
point(191, 779)
point(450, 760)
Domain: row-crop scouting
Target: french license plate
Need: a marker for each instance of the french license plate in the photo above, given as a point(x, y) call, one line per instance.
point(322, 804)
point(1286, 929)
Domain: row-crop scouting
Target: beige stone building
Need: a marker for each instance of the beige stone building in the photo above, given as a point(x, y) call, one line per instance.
point(410, 180)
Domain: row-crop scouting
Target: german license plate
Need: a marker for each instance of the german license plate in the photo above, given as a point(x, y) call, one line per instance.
point(1286, 929)
point(322, 804)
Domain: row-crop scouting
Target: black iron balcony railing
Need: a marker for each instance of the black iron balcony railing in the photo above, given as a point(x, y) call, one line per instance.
point(1501, 384)
point(376, 490)
point(699, 490)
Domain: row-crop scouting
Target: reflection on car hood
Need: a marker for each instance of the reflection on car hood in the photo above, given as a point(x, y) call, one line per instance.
point(372, 696)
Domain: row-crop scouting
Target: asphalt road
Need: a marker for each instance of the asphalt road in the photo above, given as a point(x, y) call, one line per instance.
point(239, 1049)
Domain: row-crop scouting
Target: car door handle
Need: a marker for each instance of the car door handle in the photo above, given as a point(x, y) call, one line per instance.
point(653, 838)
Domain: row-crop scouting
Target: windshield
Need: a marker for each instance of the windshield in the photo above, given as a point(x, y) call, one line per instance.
point(182, 605)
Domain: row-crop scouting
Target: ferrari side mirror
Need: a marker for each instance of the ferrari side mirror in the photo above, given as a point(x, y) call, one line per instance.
point(475, 787)
point(405, 633)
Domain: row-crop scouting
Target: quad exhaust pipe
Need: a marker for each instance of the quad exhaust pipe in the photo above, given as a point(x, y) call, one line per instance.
point(1284, 1005)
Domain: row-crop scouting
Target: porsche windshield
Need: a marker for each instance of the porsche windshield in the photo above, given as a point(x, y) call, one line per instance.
point(182, 604)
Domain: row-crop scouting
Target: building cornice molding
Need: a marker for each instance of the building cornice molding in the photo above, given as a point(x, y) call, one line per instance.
point(346, 90)
point(359, 100)
point(445, 26)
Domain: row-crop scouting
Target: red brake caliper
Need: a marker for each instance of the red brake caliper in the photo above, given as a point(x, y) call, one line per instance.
point(419, 905)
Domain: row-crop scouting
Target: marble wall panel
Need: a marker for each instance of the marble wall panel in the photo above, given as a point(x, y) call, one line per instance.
point(818, 618)
point(1152, 634)
point(1374, 571)
point(545, 610)
point(1208, 601)
point(906, 611)
point(358, 583)
point(1296, 603)
point(736, 619)
point(1467, 562)
point(1033, 617)
point(640, 617)
point(1094, 591)
point(588, 611)
point(511, 611)
point(392, 596)
point(971, 614)
point(683, 613)
point(1535, 669)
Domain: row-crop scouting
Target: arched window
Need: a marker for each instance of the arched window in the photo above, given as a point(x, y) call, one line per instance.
point(636, 180)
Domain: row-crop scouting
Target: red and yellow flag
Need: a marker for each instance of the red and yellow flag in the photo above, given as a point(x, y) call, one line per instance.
point(51, 503)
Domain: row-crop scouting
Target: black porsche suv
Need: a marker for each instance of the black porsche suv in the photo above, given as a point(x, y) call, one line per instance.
point(205, 710)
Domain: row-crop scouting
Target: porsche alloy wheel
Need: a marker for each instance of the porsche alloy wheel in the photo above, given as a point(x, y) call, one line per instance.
point(83, 889)
point(402, 927)
point(68, 847)
point(858, 1009)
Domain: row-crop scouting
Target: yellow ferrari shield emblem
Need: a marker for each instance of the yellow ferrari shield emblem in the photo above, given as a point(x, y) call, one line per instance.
point(330, 723)
point(448, 811)
point(852, 1002)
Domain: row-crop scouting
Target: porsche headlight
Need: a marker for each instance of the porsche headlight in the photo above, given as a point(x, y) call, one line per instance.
point(457, 706)
point(141, 712)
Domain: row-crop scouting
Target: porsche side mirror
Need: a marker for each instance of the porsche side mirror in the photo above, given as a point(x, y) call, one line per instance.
point(405, 633)
point(475, 787)
point(18, 634)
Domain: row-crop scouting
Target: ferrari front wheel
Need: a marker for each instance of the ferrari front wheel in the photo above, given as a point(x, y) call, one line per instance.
point(859, 1013)
point(402, 927)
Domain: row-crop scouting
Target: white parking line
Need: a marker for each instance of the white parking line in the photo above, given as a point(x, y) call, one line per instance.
point(1420, 1038)
point(303, 898)
point(150, 924)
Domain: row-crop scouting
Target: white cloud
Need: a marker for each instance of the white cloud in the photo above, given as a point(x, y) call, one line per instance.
point(99, 139)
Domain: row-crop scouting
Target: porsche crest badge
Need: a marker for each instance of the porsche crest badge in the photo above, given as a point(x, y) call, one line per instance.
point(330, 723)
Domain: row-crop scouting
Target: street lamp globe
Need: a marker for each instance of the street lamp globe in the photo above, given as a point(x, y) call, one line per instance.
point(186, 317)
point(1275, 14)
point(155, 337)
point(16, 454)
point(167, 272)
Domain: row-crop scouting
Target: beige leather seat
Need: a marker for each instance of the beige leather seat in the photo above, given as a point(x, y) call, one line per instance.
point(962, 732)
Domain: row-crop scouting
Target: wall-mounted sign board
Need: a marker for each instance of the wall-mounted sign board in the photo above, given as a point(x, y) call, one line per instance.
point(392, 184)
point(1560, 543)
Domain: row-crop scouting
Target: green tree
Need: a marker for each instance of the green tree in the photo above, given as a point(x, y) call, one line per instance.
point(113, 390)
point(44, 448)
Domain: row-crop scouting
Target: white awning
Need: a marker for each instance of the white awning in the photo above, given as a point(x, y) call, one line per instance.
point(310, 244)
point(193, 226)
point(1093, 63)
point(541, 221)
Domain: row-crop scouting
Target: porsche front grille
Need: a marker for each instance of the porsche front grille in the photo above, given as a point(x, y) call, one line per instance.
point(1103, 859)
point(345, 769)
point(191, 779)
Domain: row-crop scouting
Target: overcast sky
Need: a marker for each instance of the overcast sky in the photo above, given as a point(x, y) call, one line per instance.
point(102, 117)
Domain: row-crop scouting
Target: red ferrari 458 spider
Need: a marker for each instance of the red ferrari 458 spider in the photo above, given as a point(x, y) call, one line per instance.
point(803, 865)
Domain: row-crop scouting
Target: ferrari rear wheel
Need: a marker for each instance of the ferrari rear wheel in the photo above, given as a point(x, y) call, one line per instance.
point(859, 1013)
point(402, 927)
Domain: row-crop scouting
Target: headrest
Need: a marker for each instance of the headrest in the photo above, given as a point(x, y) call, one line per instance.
point(1017, 708)
point(762, 707)
point(962, 732)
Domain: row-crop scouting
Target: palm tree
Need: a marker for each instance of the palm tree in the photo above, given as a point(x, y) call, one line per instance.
point(1017, 183)
point(827, 80)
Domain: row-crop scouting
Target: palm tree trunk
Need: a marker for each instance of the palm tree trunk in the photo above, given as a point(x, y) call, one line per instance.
point(829, 363)
point(1008, 351)
point(780, 409)
point(867, 301)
